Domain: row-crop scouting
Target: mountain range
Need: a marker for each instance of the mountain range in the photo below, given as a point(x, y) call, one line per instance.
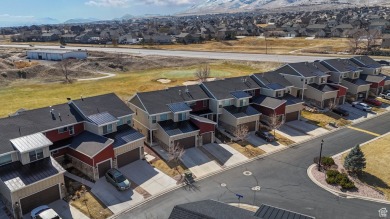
point(220, 6)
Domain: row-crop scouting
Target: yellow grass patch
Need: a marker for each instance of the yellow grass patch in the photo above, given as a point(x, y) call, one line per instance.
point(323, 119)
point(247, 149)
point(23, 64)
point(283, 140)
point(168, 168)
point(91, 206)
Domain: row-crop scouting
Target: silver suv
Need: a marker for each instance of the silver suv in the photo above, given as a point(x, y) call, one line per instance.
point(117, 179)
point(362, 106)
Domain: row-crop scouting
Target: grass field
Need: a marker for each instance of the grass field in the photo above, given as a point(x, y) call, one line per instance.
point(34, 94)
point(377, 171)
point(323, 119)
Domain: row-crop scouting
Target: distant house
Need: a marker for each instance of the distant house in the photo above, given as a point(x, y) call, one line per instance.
point(386, 41)
point(56, 55)
point(157, 39)
point(68, 38)
point(49, 37)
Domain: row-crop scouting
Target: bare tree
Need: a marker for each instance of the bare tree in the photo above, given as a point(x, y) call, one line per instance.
point(372, 37)
point(64, 64)
point(203, 72)
point(275, 122)
point(355, 42)
point(175, 153)
point(241, 132)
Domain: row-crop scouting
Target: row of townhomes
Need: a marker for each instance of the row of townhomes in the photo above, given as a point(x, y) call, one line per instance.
point(97, 133)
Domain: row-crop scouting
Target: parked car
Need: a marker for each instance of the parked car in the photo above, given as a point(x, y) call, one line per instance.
point(117, 179)
point(373, 102)
point(340, 111)
point(386, 92)
point(384, 62)
point(361, 106)
point(385, 96)
point(266, 136)
point(62, 46)
point(44, 212)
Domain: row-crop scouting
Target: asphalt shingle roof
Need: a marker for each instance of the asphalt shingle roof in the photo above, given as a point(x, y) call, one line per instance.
point(175, 128)
point(366, 61)
point(124, 135)
point(268, 102)
point(221, 89)
point(244, 111)
point(272, 80)
point(323, 87)
point(372, 78)
point(307, 69)
point(89, 143)
point(270, 212)
point(341, 65)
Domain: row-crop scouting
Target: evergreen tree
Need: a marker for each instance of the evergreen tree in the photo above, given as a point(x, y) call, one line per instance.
point(355, 162)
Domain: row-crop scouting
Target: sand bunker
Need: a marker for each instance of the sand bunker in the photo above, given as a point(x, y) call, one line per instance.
point(164, 81)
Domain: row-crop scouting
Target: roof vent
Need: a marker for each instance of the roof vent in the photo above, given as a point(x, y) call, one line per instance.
point(82, 99)
point(179, 92)
point(69, 99)
point(59, 116)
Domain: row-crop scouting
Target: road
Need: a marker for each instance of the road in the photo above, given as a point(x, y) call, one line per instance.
point(189, 54)
point(283, 180)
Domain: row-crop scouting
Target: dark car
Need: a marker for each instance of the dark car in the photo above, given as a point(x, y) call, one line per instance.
point(373, 102)
point(117, 179)
point(384, 62)
point(266, 136)
point(340, 111)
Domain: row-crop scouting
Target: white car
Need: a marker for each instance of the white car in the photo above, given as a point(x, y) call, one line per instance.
point(362, 106)
point(385, 95)
point(44, 212)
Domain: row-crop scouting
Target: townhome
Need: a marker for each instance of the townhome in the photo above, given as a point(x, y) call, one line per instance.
point(310, 81)
point(174, 116)
point(372, 73)
point(349, 75)
point(92, 135)
point(230, 102)
point(275, 98)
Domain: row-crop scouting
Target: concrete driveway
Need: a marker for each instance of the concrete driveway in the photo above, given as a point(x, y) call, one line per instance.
point(300, 130)
point(263, 144)
point(147, 177)
point(198, 163)
point(225, 154)
point(356, 114)
point(115, 200)
point(64, 210)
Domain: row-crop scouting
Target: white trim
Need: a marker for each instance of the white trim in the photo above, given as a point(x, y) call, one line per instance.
point(171, 136)
point(205, 87)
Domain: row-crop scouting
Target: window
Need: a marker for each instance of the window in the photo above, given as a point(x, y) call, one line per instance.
point(120, 122)
point(36, 155)
point(62, 130)
point(241, 102)
point(107, 129)
point(226, 102)
point(5, 159)
point(71, 130)
point(163, 117)
point(153, 119)
point(181, 116)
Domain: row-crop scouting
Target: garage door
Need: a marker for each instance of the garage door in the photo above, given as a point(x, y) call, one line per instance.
point(206, 138)
point(186, 142)
point(292, 116)
point(41, 198)
point(127, 157)
point(103, 167)
point(251, 126)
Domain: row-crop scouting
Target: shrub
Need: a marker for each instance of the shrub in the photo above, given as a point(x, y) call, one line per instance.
point(331, 180)
point(346, 183)
point(341, 177)
point(332, 173)
point(327, 161)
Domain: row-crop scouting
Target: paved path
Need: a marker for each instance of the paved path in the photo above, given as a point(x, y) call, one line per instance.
point(283, 180)
point(189, 54)
point(107, 75)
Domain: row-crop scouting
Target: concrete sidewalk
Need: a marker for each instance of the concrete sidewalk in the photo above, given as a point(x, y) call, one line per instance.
point(198, 163)
point(225, 154)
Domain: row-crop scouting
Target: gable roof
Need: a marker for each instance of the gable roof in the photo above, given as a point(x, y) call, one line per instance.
point(155, 102)
point(306, 69)
point(365, 61)
point(268, 102)
point(89, 143)
point(372, 78)
point(272, 80)
point(270, 212)
point(340, 65)
point(222, 89)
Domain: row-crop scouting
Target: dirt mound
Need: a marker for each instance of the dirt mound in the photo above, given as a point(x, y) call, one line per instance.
point(5, 64)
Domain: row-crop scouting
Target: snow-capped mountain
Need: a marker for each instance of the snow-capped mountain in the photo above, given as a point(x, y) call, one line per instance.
point(209, 6)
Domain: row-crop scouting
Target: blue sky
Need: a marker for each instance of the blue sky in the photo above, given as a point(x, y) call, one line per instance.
point(16, 12)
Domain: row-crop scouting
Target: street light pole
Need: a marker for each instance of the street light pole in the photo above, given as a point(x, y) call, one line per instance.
point(319, 160)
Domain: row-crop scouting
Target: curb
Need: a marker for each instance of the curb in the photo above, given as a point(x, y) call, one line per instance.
point(341, 194)
point(239, 164)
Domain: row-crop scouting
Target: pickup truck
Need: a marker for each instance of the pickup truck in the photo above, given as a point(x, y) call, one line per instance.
point(385, 96)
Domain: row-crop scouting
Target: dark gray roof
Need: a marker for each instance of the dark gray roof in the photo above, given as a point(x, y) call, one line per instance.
point(306, 69)
point(323, 87)
point(102, 118)
point(268, 102)
point(124, 135)
point(272, 80)
point(372, 78)
point(155, 102)
point(175, 128)
point(103, 103)
point(89, 143)
point(365, 61)
point(221, 89)
point(34, 121)
point(17, 176)
point(179, 107)
point(240, 94)
point(209, 209)
point(291, 100)
point(202, 119)
point(340, 65)
point(270, 212)
point(244, 111)
point(357, 81)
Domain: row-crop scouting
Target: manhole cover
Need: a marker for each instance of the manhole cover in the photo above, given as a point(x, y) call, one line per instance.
point(223, 184)
point(256, 188)
point(247, 173)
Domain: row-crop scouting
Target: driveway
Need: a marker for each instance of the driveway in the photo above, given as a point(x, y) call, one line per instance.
point(262, 144)
point(356, 114)
point(198, 163)
point(300, 130)
point(147, 177)
point(225, 154)
point(64, 210)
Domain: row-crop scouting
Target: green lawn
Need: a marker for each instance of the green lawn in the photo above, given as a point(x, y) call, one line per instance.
point(34, 94)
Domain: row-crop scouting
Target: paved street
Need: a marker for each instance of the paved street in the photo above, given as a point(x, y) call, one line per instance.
point(189, 54)
point(283, 180)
